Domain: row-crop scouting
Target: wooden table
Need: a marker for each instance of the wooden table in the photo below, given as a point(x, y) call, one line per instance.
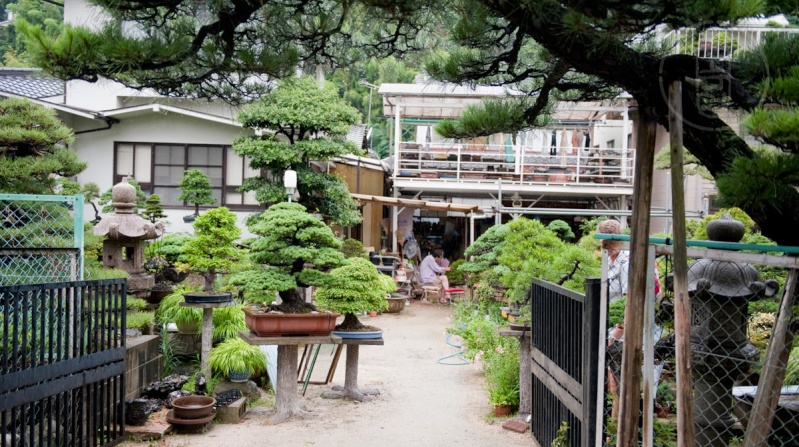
point(286, 398)
point(208, 331)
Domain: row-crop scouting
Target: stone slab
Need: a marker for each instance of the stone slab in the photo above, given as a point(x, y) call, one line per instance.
point(232, 413)
point(155, 428)
point(514, 425)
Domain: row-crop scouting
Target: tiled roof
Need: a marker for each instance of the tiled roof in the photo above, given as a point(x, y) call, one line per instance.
point(357, 134)
point(30, 83)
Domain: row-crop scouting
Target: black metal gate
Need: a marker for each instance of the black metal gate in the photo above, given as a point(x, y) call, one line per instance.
point(564, 355)
point(62, 363)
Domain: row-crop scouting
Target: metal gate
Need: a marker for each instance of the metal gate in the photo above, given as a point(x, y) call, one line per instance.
point(565, 338)
point(62, 363)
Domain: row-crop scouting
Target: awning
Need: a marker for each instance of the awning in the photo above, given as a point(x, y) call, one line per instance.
point(421, 204)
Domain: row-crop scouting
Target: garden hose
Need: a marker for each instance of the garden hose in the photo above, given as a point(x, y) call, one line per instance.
point(457, 355)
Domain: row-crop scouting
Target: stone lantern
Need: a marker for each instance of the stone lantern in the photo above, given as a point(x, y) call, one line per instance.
point(720, 292)
point(125, 234)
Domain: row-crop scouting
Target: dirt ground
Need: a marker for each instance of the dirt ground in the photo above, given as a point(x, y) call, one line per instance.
point(421, 402)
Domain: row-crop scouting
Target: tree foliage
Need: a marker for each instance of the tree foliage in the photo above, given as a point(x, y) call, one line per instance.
point(33, 152)
point(545, 50)
point(195, 187)
point(294, 249)
point(153, 209)
point(212, 250)
point(301, 122)
point(357, 286)
point(13, 46)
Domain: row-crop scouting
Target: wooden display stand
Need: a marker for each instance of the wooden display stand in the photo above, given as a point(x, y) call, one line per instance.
point(287, 403)
point(207, 331)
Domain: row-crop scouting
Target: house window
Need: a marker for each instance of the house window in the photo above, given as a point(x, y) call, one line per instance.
point(159, 168)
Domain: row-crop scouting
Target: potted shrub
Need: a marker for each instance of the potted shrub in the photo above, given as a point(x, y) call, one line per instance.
point(187, 319)
point(236, 359)
point(455, 275)
point(293, 251)
point(211, 251)
point(355, 287)
point(195, 188)
point(501, 366)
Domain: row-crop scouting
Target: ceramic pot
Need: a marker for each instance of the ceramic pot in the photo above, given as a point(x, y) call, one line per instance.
point(396, 304)
point(188, 219)
point(207, 297)
point(238, 376)
point(275, 325)
point(188, 328)
point(502, 410)
point(193, 407)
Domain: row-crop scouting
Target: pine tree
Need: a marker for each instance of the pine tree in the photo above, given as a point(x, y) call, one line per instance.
point(196, 188)
point(33, 153)
point(302, 123)
point(154, 210)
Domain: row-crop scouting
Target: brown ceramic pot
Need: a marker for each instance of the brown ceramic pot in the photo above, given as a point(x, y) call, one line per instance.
point(503, 410)
point(275, 325)
point(193, 407)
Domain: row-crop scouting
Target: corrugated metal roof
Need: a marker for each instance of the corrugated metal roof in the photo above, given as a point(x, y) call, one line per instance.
point(30, 83)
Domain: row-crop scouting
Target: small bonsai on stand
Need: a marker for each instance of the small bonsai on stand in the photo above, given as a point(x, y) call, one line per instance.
point(353, 288)
point(212, 250)
point(195, 188)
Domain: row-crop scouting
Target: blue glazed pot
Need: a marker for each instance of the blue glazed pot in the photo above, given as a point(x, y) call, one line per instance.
point(238, 376)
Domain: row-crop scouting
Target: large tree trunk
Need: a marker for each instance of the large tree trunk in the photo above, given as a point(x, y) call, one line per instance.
point(293, 302)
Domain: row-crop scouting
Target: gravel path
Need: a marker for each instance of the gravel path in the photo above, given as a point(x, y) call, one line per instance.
point(422, 403)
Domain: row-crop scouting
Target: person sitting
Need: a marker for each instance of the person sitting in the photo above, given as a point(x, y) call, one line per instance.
point(433, 275)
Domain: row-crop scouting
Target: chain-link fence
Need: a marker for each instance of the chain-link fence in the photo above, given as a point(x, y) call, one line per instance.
point(41, 238)
point(744, 372)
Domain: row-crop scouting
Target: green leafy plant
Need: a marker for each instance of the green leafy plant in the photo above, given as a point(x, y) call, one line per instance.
point(294, 249)
point(168, 247)
point(136, 304)
point(353, 248)
point(501, 366)
point(792, 368)
point(139, 320)
point(196, 188)
point(170, 310)
point(228, 321)
point(357, 286)
point(153, 209)
point(212, 250)
point(562, 229)
point(236, 355)
point(562, 436)
point(455, 275)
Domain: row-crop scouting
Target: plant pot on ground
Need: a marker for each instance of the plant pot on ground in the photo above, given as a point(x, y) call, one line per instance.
point(236, 359)
point(211, 251)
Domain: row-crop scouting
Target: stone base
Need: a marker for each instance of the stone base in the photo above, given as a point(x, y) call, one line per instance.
point(232, 413)
point(186, 344)
point(140, 282)
point(144, 363)
point(155, 428)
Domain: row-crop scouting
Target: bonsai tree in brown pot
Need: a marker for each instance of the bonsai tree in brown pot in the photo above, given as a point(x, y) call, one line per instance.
point(294, 251)
point(212, 251)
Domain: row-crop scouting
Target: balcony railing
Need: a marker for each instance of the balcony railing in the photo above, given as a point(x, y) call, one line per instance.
point(719, 43)
point(476, 163)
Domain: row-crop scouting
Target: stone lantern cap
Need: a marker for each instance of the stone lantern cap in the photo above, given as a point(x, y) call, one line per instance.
point(123, 223)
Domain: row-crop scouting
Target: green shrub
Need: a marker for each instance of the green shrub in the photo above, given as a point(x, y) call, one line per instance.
point(236, 355)
point(139, 320)
point(501, 366)
point(168, 247)
point(353, 248)
point(170, 310)
point(355, 287)
point(455, 275)
point(228, 321)
point(134, 303)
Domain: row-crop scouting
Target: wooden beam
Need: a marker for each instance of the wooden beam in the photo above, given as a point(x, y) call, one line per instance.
point(773, 373)
point(640, 270)
point(682, 307)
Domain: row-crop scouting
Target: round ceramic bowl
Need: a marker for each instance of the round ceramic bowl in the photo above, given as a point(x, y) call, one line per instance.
point(193, 407)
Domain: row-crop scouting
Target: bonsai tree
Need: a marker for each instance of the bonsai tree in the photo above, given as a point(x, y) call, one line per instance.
point(301, 122)
point(212, 249)
point(353, 248)
point(153, 209)
point(195, 187)
point(91, 193)
point(236, 356)
point(355, 287)
point(294, 250)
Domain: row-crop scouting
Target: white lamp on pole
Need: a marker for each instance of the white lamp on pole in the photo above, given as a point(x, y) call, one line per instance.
point(290, 182)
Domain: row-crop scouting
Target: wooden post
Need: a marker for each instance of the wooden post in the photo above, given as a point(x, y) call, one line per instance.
point(773, 373)
point(630, 393)
point(682, 307)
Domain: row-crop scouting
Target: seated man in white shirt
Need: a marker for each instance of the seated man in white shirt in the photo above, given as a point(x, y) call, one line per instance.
point(433, 275)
